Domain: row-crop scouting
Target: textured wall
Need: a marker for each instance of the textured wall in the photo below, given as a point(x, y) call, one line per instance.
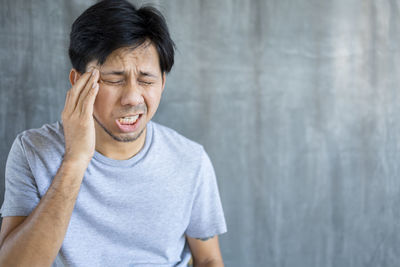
point(295, 101)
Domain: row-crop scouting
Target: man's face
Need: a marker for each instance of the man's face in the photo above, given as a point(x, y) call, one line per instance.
point(131, 84)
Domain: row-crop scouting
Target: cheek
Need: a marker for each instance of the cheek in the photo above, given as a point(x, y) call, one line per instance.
point(153, 99)
point(104, 99)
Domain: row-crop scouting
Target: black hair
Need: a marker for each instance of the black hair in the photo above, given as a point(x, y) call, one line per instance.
point(112, 24)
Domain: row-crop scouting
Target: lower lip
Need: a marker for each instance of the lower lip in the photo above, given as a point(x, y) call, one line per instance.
point(127, 128)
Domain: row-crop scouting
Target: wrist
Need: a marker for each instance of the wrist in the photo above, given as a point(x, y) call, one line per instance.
point(75, 163)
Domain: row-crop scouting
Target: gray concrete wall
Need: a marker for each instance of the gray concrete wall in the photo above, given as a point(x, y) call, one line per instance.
point(297, 103)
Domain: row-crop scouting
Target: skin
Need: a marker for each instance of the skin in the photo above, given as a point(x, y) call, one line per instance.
point(136, 89)
point(36, 239)
point(205, 252)
point(97, 98)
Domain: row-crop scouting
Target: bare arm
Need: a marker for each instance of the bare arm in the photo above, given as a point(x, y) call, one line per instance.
point(205, 252)
point(38, 238)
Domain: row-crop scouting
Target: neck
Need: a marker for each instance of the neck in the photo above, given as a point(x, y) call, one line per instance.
point(117, 150)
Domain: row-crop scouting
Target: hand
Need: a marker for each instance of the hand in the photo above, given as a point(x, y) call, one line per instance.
point(77, 118)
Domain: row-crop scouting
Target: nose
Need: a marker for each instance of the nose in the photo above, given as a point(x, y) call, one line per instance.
point(132, 95)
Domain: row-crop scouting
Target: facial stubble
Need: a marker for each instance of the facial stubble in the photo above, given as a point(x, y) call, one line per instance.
point(116, 138)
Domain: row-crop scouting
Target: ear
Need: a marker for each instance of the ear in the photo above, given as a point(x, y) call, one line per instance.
point(163, 81)
point(74, 75)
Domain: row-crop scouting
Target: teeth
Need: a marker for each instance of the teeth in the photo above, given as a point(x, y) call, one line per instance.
point(128, 120)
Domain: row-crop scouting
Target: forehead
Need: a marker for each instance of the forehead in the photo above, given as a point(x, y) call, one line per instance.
point(141, 58)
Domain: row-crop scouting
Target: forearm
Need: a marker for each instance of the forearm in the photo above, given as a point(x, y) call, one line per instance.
point(38, 239)
point(212, 263)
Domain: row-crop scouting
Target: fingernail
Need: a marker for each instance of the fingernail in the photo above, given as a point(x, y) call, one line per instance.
point(94, 72)
point(94, 85)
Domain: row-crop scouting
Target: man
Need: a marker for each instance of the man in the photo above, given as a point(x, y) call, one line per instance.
point(107, 186)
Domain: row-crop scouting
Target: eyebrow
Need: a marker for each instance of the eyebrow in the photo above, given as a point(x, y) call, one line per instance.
point(113, 72)
point(120, 73)
point(148, 74)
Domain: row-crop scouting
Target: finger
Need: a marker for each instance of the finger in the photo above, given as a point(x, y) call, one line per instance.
point(67, 97)
point(92, 82)
point(88, 103)
point(77, 89)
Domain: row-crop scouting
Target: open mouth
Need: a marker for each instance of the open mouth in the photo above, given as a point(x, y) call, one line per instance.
point(128, 120)
point(129, 124)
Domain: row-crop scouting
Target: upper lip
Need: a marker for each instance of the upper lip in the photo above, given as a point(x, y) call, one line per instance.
point(131, 115)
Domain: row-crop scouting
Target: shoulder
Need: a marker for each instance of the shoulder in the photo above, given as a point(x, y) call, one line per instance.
point(46, 138)
point(176, 143)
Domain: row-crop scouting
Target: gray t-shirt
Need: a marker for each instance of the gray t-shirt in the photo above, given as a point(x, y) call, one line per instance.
point(133, 212)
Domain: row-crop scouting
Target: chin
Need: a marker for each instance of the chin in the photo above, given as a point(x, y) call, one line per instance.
point(121, 137)
point(131, 137)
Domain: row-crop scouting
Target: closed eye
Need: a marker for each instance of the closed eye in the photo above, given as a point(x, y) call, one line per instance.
point(114, 82)
point(145, 83)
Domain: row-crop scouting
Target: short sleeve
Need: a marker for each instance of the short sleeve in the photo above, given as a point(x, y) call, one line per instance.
point(21, 193)
point(207, 216)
